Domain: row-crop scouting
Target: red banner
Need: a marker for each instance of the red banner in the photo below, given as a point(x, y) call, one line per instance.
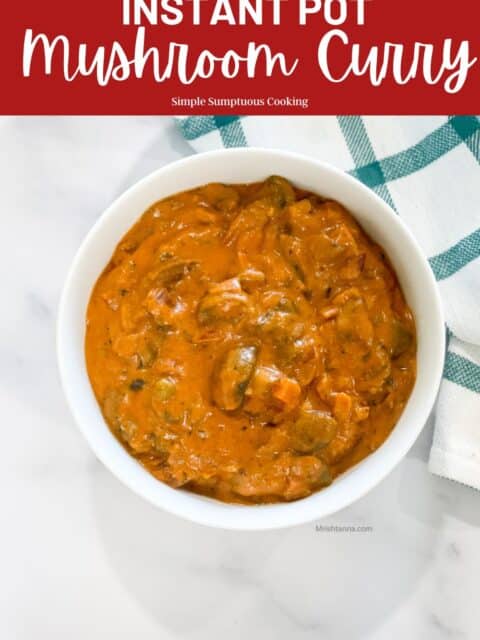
point(240, 56)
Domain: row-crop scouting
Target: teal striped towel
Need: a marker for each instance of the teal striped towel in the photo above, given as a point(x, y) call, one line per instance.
point(428, 170)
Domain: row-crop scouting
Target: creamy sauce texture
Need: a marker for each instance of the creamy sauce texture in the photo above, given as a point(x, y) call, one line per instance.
point(249, 342)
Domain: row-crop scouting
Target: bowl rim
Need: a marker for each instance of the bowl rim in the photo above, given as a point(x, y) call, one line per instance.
point(211, 512)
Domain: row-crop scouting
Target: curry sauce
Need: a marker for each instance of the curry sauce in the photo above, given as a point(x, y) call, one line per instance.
point(249, 342)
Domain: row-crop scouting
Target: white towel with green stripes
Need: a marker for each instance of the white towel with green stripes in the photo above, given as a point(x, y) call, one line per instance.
point(428, 170)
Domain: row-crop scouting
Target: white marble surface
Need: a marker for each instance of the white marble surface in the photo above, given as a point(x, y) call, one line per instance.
point(82, 557)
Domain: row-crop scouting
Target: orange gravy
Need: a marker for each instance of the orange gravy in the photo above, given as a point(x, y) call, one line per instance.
point(249, 342)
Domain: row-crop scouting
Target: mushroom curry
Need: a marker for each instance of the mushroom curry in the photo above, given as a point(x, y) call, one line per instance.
point(249, 342)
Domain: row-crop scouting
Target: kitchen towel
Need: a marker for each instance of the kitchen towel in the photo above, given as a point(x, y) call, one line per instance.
point(428, 170)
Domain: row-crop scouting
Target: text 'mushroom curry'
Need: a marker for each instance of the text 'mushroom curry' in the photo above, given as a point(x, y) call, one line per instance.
point(249, 342)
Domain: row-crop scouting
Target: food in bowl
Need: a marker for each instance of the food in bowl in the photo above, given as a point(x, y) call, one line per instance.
point(249, 342)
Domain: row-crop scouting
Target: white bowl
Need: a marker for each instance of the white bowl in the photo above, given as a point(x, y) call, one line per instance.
point(248, 165)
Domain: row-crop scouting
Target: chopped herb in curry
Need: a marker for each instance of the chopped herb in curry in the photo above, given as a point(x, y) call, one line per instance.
point(249, 342)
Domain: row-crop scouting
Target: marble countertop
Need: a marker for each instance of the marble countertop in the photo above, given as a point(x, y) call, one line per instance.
point(83, 557)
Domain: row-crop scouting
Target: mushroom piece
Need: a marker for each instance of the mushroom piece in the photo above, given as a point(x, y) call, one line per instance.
point(288, 477)
point(164, 388)
point(402, 339)
point(353, 322)
point(173, 271)
point(271, 394)
point(224, 302)
point(221, 196)
point(251, 278)
point(232, 376)
point(279, 190)
point(313, 430)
